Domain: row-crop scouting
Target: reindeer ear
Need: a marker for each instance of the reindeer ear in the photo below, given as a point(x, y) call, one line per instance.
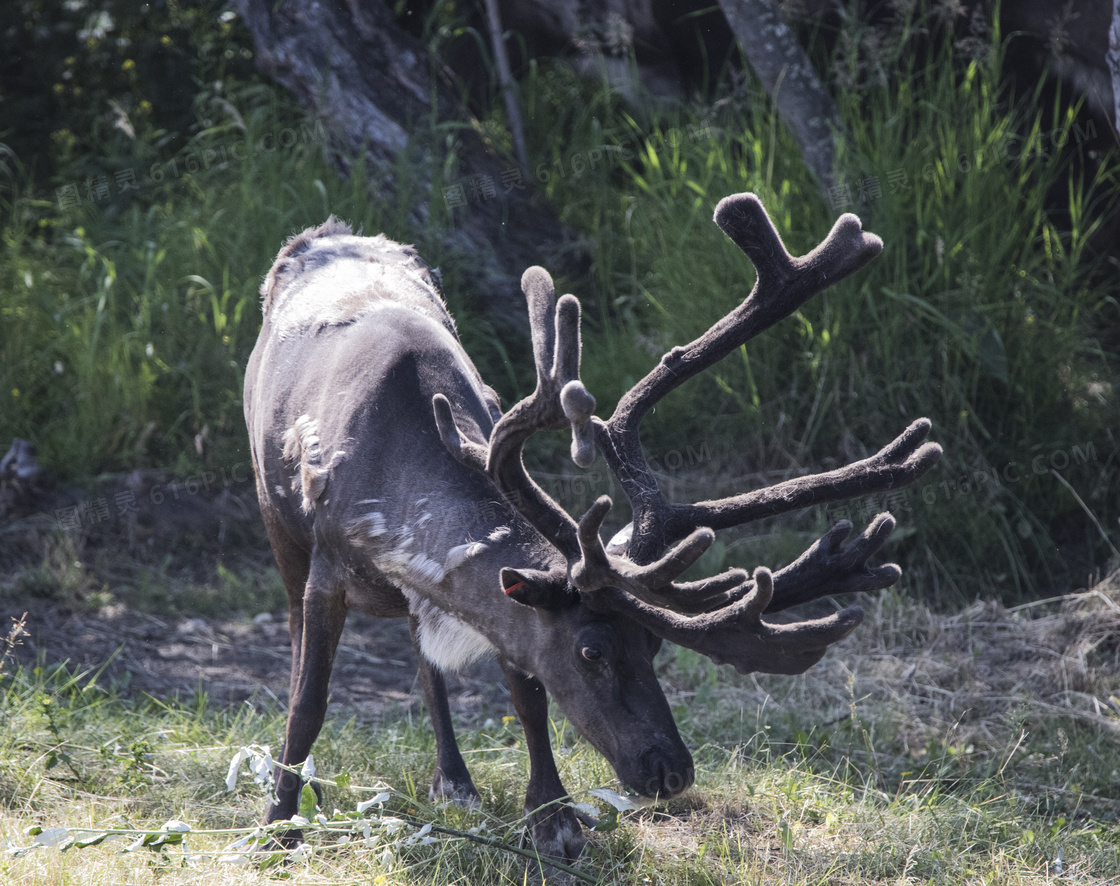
point(532, 587)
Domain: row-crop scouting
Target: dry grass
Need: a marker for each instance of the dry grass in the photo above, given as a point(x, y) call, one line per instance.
point(964, 672)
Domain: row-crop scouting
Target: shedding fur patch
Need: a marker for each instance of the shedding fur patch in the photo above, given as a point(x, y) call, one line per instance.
point(395, 552)
point(288, 263)
point(410, 568)
point(372, 525)
point(459, 554)
point(499, 534)
point(301, 444)
point(408, 557)
point(445, 641)
point(327, 276)
point(423, 570)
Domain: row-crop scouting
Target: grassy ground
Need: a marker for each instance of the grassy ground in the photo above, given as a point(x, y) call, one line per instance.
point(975, 748)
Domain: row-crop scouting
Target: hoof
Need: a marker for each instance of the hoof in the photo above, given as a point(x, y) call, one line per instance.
point(555, 834)
point(284, 841)
point(461, 792)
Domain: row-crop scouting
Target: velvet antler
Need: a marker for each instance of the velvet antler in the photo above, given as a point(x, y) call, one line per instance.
point(721, 616)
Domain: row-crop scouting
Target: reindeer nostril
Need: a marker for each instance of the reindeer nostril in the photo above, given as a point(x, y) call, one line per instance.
point(675, 782)
point(668, 780)
point(660, 770)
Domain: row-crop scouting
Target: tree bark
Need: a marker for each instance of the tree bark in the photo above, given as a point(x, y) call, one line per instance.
point(1112, 58)
point(806, 108)
point(505, 77)
point(370, 82)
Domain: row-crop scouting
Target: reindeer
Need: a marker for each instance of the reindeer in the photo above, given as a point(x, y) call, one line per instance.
point(391, 481)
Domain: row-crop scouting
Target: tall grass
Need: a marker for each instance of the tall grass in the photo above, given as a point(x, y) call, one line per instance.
point(980, 312)
point(127, 320)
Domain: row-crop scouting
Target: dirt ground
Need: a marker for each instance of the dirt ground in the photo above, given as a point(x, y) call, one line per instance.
point(68, 557)
point(233, 660)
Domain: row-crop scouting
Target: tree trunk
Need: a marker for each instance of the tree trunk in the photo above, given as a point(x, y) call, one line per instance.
point(1113, 60)
point(806, 108)
point(371, 83)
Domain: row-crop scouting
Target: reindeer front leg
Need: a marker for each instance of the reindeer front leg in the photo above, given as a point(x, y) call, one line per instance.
point(553, 824)
point(452, 780)
point(323, 613)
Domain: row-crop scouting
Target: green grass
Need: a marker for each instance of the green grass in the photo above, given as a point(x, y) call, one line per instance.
point(126, 322)
point(903, 755)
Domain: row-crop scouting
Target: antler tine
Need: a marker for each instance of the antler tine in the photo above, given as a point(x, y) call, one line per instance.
point(472, 454)
point(559, 399)
point(845, 250)
point(736, 634)
point(899, 463)
point(653, 583)
point(783, 284)
point(830, 567)
point(827, 567)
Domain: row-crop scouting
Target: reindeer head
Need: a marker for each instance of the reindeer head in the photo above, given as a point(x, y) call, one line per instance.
point(611, 606)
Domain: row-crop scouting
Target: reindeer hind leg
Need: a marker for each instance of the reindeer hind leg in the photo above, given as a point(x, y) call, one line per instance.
point(294, 564)
point(321, 613)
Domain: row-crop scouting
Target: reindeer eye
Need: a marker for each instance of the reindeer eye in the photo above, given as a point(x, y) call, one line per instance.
point(591, 653)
